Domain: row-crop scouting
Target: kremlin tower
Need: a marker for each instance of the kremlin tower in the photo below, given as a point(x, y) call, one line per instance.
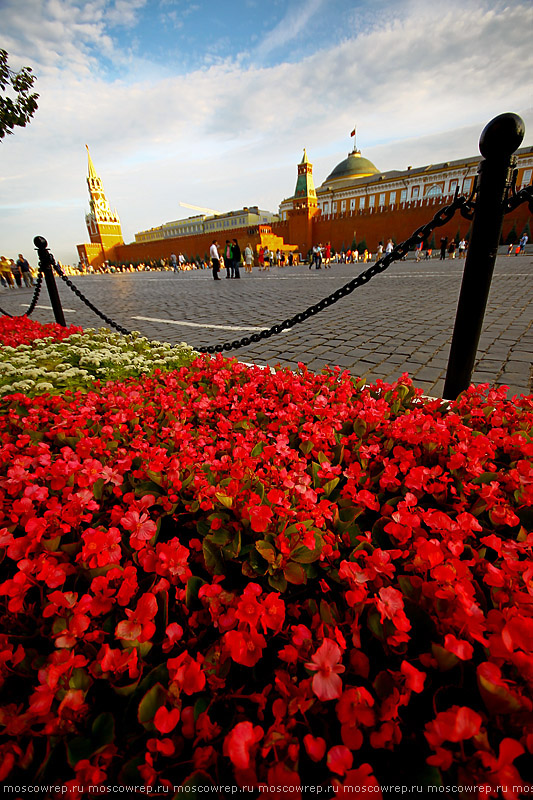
point(304, 207)
point(103, 223)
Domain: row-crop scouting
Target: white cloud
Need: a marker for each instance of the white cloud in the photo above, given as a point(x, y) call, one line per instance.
point(290, 26)
point(419, 86)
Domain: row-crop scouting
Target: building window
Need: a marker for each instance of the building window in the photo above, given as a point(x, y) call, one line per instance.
point(467, 185)
point(361, 202)
point(526, 177)
point(435, 190)
point(392, 197)
point(382, 199)
point(343, 205)
point(453, 186)
point(403, 195)
point(415, 191)
point(334, 207)
point(352, 204)
point(326, 208)
point(372, 201)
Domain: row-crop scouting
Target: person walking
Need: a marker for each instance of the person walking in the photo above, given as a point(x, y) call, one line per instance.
point(17, 274)
point(215, 259)
point(443, 247)
point(390, 247)
point(228, 259)
point(327, 256)
point(6, 274)
point(236, 259)
point(25, 271)
point(174, 262)
point(522, 243)
point(462, 248)
point(248, 258)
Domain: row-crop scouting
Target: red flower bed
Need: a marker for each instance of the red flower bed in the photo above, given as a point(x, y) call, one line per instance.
point(227, 576)
point(23, 330)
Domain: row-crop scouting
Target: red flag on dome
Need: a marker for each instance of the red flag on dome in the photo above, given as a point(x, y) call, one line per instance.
point(353, 132)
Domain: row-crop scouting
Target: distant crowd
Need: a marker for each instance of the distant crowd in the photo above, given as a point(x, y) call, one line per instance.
point(19, 274)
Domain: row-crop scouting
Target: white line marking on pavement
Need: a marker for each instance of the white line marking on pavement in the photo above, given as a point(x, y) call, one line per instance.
point(50, 308)
point(200, 325)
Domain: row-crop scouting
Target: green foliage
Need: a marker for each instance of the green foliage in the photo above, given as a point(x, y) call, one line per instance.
point(18, 110)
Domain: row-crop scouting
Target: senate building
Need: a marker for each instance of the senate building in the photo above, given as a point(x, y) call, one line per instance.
point(355, 206)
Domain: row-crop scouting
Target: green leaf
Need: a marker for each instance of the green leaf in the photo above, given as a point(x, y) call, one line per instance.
point(155, 477)
point(78, 749)
point(359, 428)
point(225, 499)
point(295, 573)
point(212, 557)
point(257, 450)
point(278, 582)
point(306, 447)
point(375, 626)
point(485, 477)
point(267, 550)
point(233, 548)
point(201, 705)
point(330, 486)
point(328, 613)
point(148, 487)
point(103, 729)
point(79, 679)
point(191, 593)
point(152, 700)
point(303, 555)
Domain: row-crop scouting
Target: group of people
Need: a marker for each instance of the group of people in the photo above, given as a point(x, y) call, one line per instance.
point(518, 248)
point(14, 273)
point(452, 248)
point(231, 258)
point(277, 258)
point(321, 254)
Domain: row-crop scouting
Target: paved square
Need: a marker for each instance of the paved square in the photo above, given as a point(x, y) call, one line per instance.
point(401, 321)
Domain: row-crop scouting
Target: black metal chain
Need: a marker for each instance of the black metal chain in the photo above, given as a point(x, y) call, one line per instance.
point(87, 302)
point(466, 206)
point(34, 299)
point(516, 199)
point(442, 216)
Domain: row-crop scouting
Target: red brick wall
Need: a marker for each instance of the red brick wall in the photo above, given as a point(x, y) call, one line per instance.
point(397, 223)
point(191, 246)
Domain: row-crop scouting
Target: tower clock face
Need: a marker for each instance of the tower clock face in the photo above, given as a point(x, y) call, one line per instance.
point(101, 206)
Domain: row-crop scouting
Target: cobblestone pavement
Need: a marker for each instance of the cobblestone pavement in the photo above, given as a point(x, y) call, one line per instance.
point(401, 321)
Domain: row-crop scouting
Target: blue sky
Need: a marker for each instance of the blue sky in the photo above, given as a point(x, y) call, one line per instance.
point(211, 103)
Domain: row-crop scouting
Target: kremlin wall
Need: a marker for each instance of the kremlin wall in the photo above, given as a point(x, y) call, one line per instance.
point(355, 205)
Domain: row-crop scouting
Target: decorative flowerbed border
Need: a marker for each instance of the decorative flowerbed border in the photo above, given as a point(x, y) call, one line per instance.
point(224, 575)
point(51, 358)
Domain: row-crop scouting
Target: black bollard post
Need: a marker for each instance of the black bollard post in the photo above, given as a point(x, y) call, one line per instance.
point(46, 260)
point(499, 140)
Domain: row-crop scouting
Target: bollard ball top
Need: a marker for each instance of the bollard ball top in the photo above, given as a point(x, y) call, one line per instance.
point(502, 136)
point(40, 242)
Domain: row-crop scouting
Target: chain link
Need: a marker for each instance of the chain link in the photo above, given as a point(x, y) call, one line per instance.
point(442, 216)
point(87, 302)
point(516, 199)
point(34, 299)
point(466, 206)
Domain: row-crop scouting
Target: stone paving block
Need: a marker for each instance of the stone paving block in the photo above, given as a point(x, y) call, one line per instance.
point(428, 374)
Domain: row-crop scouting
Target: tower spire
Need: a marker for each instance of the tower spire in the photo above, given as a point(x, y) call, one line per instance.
point(92, 171)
